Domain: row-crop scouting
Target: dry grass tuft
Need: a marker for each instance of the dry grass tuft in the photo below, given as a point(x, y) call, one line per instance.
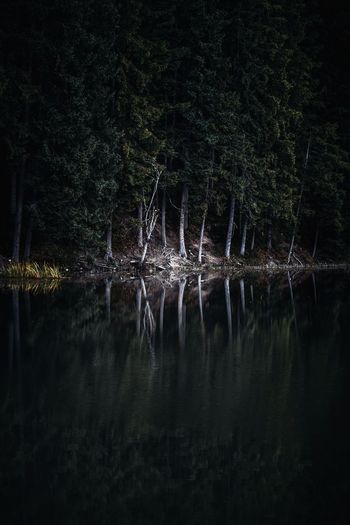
point(31, 270)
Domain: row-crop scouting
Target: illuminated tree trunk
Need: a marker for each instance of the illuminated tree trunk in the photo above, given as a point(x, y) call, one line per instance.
point(244, 237)
point(230, 228)
point(184, 204)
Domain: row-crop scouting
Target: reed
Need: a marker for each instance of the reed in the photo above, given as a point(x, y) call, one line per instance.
point(31, 270)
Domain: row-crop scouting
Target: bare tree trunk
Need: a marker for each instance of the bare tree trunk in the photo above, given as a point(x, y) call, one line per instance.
point(201, 237)
point(140, 226)
point(28, 239)
point(184, 204)
point(244, 237)
point(291, 247)
point(269, 238)
point(315, 241)
point(252, 244)
point(228, 308)
point(19, 212)
point(230, 227)
point(13, 192)
point(164, 218)
point(109, 252)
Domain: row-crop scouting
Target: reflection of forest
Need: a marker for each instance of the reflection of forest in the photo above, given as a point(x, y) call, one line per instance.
point(206, 401)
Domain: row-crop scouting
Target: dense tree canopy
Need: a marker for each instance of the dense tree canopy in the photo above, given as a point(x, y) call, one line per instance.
point(243, 107)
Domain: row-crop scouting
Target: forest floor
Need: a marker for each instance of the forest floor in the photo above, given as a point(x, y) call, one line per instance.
point(167, 262)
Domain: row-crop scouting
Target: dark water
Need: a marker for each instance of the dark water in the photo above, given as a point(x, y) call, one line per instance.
point(212, 402)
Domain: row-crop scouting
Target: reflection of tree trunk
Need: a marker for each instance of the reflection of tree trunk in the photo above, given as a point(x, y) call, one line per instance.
point(164, 219)
point(181, 313)
point(108, 289)
point(315, 242)
point(200, 303)
point(27, 306)
point(28, 239)
point(252, 294)
point(244, 237)
point(161, 316)
point(314, 286)
point(11, 341)
point(241, 286)
point(138, 310)
point(184, 201)
point(140, 226)
point(293, 307)
point(230, 227)
point(228, 309)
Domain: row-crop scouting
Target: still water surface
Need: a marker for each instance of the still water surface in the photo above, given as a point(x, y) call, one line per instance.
point(202, 401)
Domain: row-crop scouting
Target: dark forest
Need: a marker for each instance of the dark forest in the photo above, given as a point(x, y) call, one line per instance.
point(184, 118)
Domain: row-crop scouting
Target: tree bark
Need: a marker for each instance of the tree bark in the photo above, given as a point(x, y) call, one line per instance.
point(201, 237)
point(252, 244)
point(269, 238)
point(184, 203)
point(140, 227)
point(28, 239)
point(230, 228)
point(19, 212)
point(109, 252)
point(315, 241)
point(244, 237)
point(164, 219)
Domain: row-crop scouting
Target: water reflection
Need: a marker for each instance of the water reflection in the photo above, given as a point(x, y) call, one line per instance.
point(203, 401)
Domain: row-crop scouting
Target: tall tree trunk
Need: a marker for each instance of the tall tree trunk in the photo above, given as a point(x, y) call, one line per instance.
point(252, 244)
point(28, 239)
point(164, 218)
point(140, 227)
point(230, 227)
point(184, 204)
point(269, 238)
point(13, 193)
point(315, 241)
point(291, 247)
point(244, 237)
point(201, 237)
point(109, 252)
point(19, 212)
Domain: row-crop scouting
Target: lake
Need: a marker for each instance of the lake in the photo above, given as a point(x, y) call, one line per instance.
point(207, 400)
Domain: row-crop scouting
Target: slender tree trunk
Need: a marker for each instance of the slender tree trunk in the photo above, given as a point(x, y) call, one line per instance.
point(28, 239)
point(252, 244)
point(184, 202)
point(164, 219)
point(109, 252)
point(230, 227)
point(201, 237)
point(315, 241)
point(19, 212)
point(291, 247)
point(244, 237)
point(140, 227)
point(13, 192)
point(269, 238)
point(228, 308)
